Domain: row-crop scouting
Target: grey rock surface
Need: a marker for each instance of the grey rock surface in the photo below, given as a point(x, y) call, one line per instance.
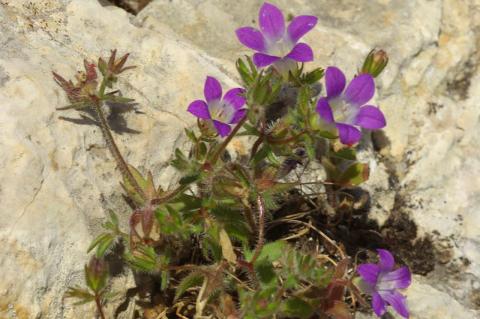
point(57, 179)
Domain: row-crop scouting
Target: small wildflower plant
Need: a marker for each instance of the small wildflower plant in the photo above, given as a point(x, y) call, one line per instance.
point(211, 246)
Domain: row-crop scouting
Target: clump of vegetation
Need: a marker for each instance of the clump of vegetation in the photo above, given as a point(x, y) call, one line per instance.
point(225, 243)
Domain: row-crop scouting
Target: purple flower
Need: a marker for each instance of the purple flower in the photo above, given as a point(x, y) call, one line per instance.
point(274, 42)
point(347, 109)
point(222, 112)
point(382, 282)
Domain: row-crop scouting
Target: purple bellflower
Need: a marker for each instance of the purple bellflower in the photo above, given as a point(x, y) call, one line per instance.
point(221, 112)
point(273, 42)
point(347, 109)
point(382, 282)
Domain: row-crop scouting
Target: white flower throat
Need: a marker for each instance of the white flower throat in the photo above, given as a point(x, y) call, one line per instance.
point(280, 48)
point(343, 112)
point(221, 111)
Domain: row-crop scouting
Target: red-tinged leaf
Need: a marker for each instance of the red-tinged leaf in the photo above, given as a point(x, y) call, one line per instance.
point(147, 221)
point(90, 72)
point(336, 291)
point(150, 190)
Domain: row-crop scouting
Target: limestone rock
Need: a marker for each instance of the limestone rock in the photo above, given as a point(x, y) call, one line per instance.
point(57, 179)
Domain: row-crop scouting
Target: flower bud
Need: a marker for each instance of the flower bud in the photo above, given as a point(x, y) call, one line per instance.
point(113, 67)
point(96, 274)
point(375, 62)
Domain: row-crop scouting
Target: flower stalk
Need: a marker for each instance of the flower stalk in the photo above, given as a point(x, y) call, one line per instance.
point(112, 146)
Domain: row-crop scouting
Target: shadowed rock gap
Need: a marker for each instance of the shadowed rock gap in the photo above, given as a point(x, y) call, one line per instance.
point(131, 6)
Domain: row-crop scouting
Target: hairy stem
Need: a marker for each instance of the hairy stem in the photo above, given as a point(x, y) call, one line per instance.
point(249, 216)
point(261, 229)
point(225, 143)
point(112, 146)
point(255, 146)
point(259, 141)
point(99, 306)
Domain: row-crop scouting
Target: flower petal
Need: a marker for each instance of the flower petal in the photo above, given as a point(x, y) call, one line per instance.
point(301, 52)
point(262, 60)
point(360, 90)
point(199, 109)
point(212, 89)
point(386, 260)
point(234, 98)
point(397, 279)
point(324, 110)
point(370, 117)
point(378, 305)
point(300, 26)
point(369, 273)
point(272, 22)
point(349, 135)
point(334, 81)
point(239, 114)
point(222, 128)
point(251, 38)
point(397, 301)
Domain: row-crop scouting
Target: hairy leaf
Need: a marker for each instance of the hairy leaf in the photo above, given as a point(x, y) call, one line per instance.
point(193, 279)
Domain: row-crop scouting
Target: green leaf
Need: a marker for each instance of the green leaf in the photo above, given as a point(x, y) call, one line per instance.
point(310, 147)
point(191, 135)
point(355, 174)
point(83, 295)
point(165, 275)
point(244, 72)
point(313, 76)
point(180, 162)
point(297, 307)
point(143, 259)
point(191, 280)
point(232, 220)
point(265, 272)
point(227, 247)
point(303, 99)
point(186, 203)
point(98, 240)
point(188, 179)
point(104, 245)
point(113, 217)
point(95, 279)
point(272, 251)
point(347, 153)
point(130, 189)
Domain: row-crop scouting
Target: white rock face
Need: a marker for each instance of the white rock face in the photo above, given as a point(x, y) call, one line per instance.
point(57, 179)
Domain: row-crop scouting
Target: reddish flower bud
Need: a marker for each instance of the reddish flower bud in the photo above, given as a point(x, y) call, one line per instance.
point(375, 62)
point(96, 274)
